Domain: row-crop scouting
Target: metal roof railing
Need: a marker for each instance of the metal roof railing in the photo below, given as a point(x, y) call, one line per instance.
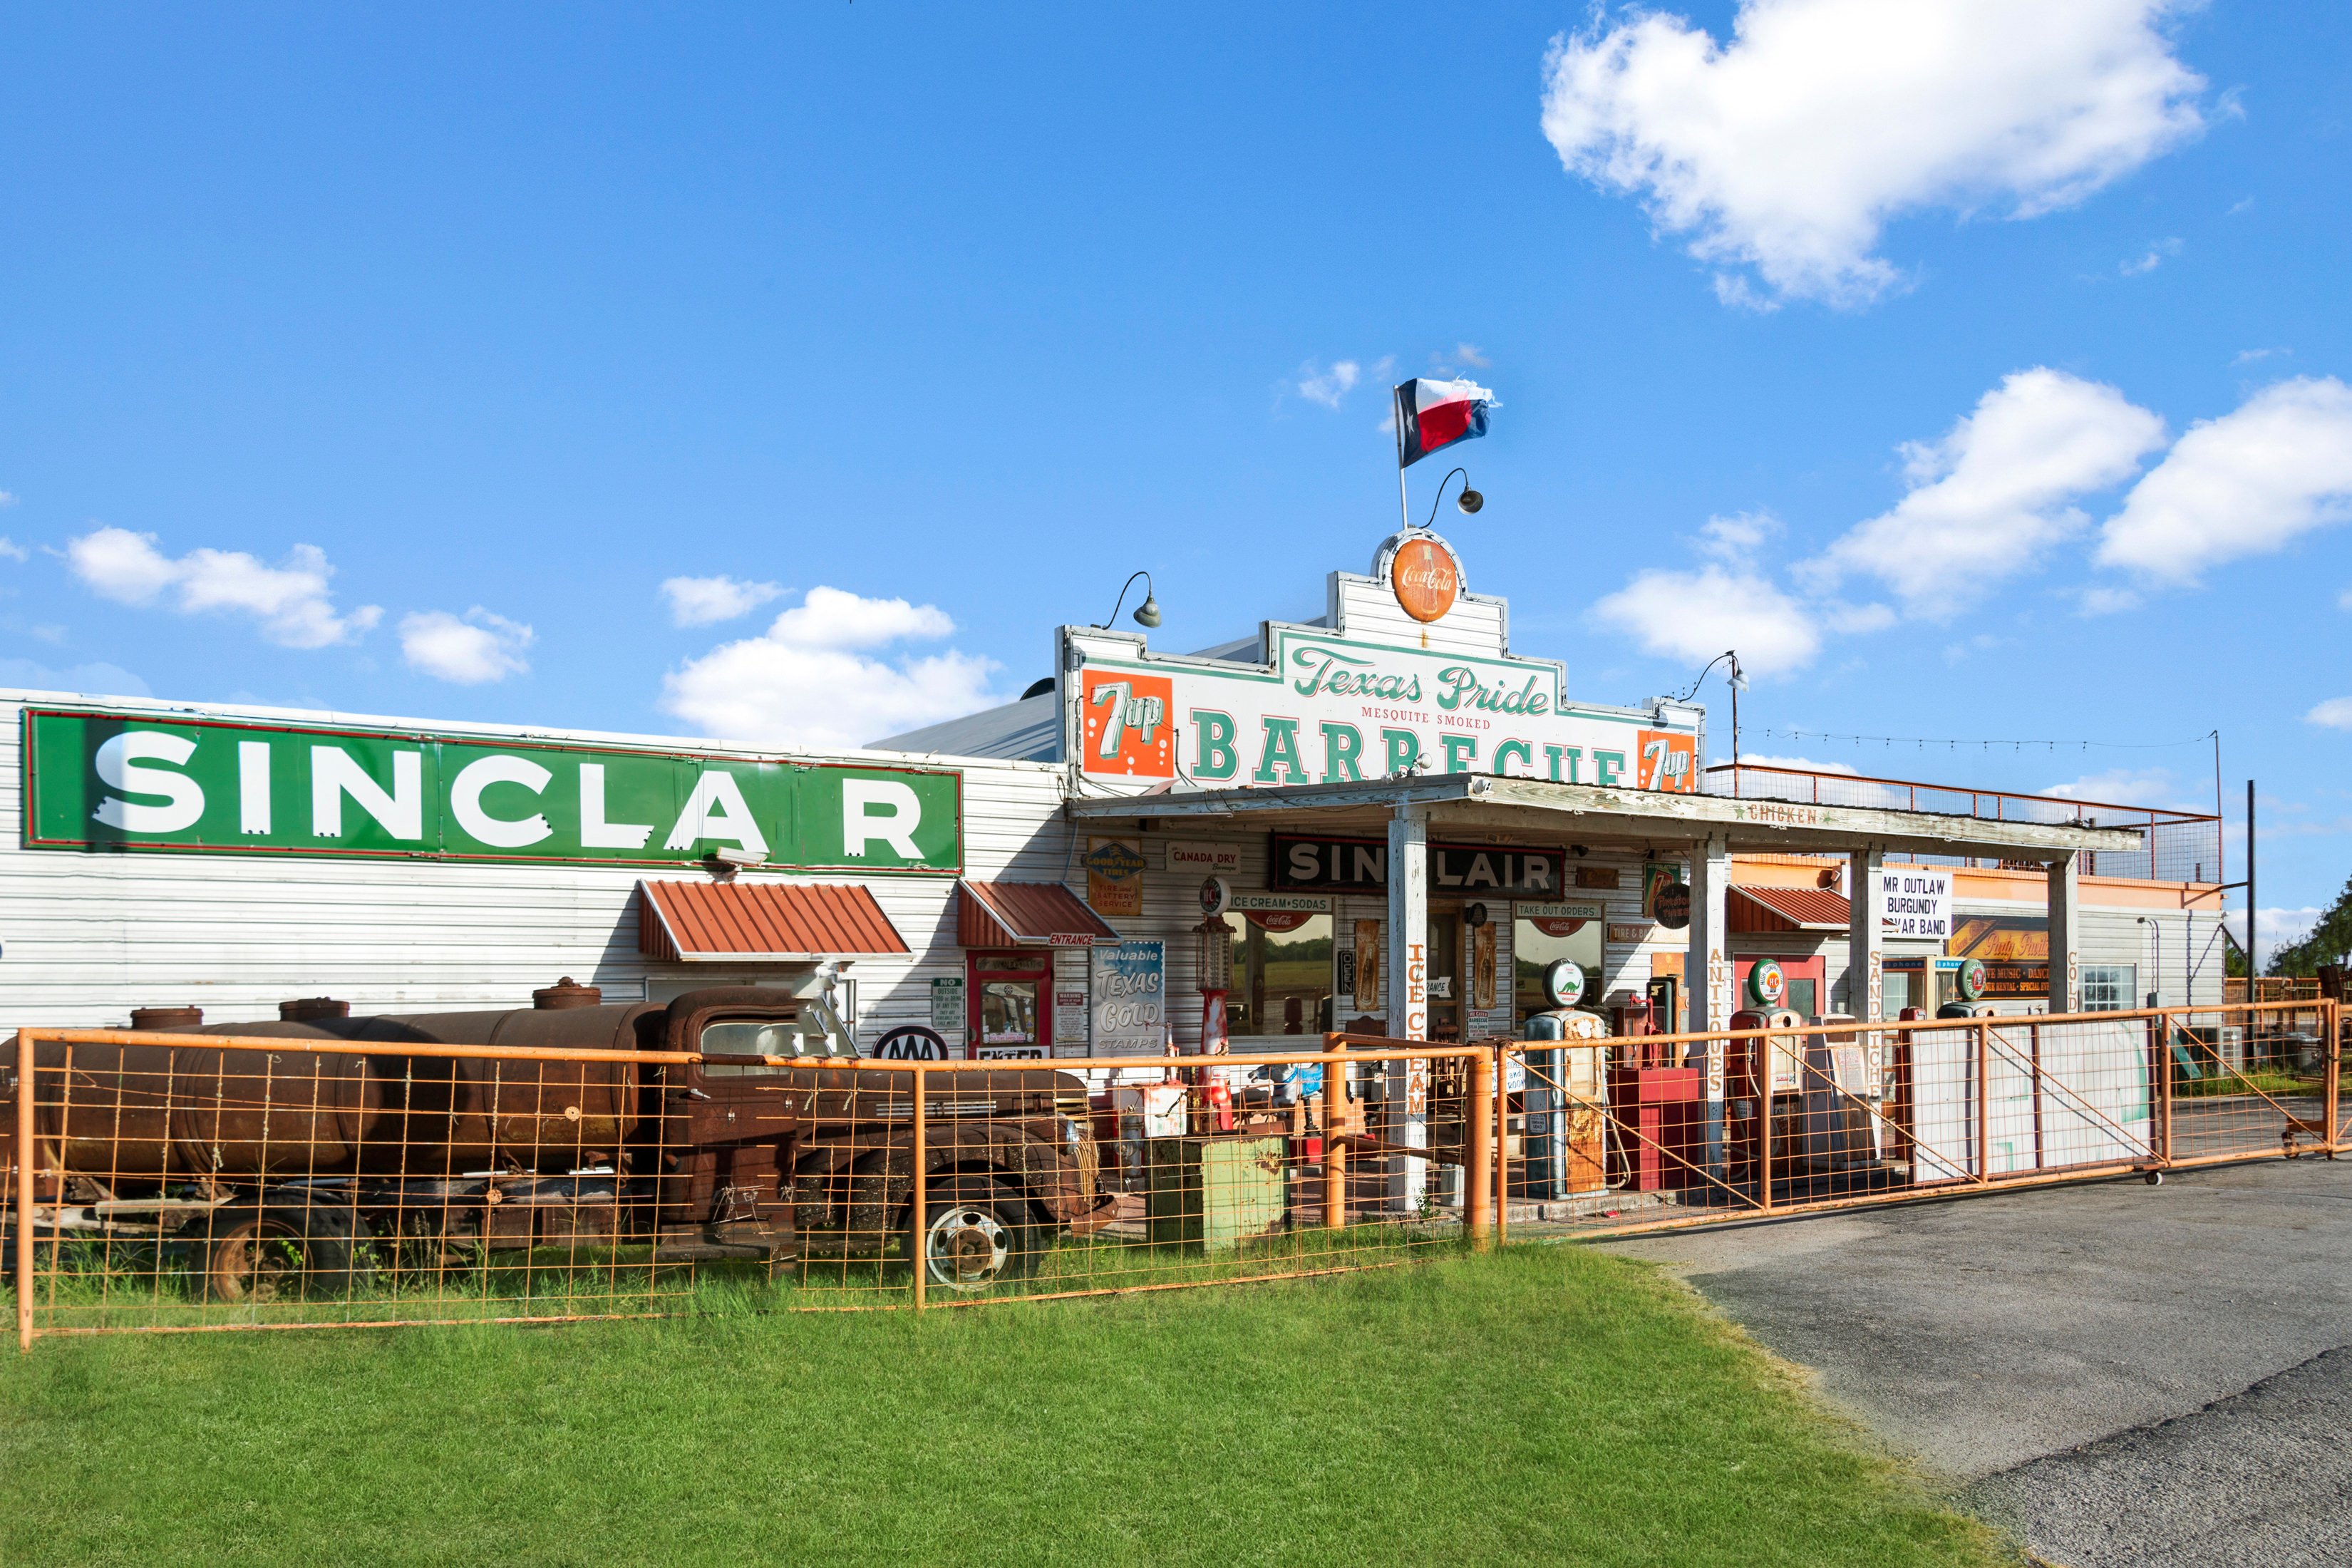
point(2181, 845)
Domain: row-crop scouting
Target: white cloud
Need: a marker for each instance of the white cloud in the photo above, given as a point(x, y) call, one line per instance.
point(1790, 148)
point(2344, 600)
point(468, 650)
point(82, 679)
point(1328, 386)
point(2153, 258)
point(13, 550)
point(1737, 537)
point(2102, 601)
point(291, 602)
point(7, 501)
point(2278, 928)
point(2335, 713)
point(806, 683)
point(704, 601)
point(2251, 356)
point(1471, 356)
point(2125, 786)
point(1993, 494)
point(2245, 484)
point(1796, 765)
point(1694, 615)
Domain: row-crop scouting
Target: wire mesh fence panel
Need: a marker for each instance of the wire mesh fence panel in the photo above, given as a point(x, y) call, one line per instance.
point(1814, 1115)
point(189, 1183)
point(183, 1181)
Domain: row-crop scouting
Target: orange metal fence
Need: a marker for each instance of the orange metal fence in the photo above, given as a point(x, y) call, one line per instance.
point(168, 1183)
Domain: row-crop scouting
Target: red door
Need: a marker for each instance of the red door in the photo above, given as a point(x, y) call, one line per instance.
point(1010, 996)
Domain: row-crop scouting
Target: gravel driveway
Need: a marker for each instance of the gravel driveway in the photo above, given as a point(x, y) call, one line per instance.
point(2120, 1374)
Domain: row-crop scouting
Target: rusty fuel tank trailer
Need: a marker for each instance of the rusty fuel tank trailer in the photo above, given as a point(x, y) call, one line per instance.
point(283, 1170)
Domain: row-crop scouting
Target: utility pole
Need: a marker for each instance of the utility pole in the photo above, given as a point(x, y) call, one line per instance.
point(2253, 970)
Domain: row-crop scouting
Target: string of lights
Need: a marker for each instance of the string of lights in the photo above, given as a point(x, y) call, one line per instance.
point(1922, 742)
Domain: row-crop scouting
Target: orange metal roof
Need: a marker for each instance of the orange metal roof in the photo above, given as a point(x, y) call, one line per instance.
point(1805, 908)
point(1026, 914)
point(713, 922)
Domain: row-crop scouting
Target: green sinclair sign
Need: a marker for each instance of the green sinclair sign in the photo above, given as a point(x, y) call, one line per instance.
point(109, 781)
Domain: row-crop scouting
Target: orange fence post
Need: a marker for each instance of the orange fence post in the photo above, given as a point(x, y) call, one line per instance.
point(1478, 1201)
point(1502, 1143)
point(2160, 1057)
point(1984, 1105)
point(1764, 1117)
point(2332, 1081)
point(1335, 1154)
point(918, 1230)
point(24, 1190)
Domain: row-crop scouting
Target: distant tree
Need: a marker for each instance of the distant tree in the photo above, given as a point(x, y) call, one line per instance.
point(2329, 940)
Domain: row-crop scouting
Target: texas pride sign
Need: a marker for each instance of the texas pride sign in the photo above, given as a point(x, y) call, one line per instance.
point(1405, 674)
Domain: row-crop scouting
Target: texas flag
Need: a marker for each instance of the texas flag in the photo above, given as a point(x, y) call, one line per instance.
point(1432, 415)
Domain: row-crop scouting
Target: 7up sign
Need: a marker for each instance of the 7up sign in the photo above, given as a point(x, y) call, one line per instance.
point(1127, 723)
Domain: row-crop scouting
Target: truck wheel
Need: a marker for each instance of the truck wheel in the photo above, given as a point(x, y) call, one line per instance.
point(277, 1253)
point(976, 1234)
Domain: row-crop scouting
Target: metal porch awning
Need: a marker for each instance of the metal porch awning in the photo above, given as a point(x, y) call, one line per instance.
point(1472, 803)
point(1788, 910)
point(740, 923)
point(1026, 914)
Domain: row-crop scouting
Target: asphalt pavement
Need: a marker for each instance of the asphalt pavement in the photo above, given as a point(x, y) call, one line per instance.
point(2119, 1373)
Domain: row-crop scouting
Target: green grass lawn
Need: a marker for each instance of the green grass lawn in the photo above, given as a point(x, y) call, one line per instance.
point(1547, 1404)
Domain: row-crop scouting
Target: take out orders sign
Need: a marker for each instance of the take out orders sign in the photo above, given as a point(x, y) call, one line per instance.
point(113, 781)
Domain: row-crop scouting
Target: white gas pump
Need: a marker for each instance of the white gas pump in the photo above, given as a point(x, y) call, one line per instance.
point(1554, 1083)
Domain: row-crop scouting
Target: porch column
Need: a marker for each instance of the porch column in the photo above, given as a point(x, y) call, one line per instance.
point(2065, 936)
point(1408, 999)
point(1865, 962)
point(1708, 975)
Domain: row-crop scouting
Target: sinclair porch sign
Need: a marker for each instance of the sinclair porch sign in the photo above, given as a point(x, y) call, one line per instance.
point(1407, 673)
point(116, 780)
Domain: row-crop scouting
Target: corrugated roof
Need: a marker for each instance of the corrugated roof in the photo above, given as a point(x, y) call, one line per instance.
point(706, 922)
point(1805, 908)
point(1025, 914)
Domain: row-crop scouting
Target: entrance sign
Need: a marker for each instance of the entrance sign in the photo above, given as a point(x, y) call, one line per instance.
point(1406, 673)
point(95, 780)
point(1361, 865)
point(1919, 903)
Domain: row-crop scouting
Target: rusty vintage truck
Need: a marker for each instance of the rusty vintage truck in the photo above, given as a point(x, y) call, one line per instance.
point(271, 1172)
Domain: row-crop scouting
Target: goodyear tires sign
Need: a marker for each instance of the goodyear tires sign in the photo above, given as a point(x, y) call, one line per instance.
point(112, 781)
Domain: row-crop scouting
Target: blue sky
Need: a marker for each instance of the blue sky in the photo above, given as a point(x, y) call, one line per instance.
point(1990, 388)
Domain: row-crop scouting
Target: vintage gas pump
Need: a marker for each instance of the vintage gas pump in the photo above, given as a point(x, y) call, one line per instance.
point(1213, 955)
point(1968, 992)
point(1766, 1073)
point(1562, 1092)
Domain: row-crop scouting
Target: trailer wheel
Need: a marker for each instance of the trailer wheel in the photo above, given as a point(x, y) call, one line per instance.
point(976, 1234)
point(260, 1253)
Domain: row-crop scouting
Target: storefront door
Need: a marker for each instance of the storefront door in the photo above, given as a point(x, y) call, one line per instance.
point(1012, 1005)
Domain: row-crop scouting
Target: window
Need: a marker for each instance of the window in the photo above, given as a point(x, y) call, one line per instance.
point(1537, 943)
point(1282, 975)
point(766, 1037)
point(2109, 988)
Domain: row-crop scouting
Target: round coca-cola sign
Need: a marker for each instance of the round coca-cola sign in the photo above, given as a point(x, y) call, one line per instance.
point(1425, 578)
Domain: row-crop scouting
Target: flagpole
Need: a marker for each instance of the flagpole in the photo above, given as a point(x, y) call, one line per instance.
point(1404, 509)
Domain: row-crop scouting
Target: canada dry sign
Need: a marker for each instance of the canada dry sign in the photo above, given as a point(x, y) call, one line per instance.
point(113, 781)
